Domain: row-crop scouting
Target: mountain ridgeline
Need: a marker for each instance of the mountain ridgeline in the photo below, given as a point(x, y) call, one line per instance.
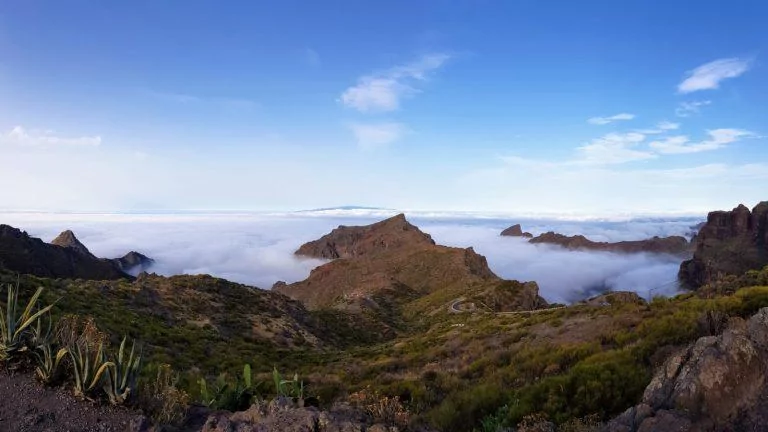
point(674, 245)
point(64, 258)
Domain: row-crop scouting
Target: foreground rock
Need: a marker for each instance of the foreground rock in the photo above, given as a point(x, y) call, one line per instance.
point(281, 415)
point(717, 383)
point(674, 245)
point(729, 243)
point(70, 259)
point(516, 231)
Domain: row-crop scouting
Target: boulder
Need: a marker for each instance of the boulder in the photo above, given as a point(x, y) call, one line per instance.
point(715, 383)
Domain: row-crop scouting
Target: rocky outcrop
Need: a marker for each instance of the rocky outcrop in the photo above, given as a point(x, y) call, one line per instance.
point(516, 231)
point(729, 243)
point(718, 383)
point(133, 262)
point(674, 245)
point(23, 254)
point(357, 241)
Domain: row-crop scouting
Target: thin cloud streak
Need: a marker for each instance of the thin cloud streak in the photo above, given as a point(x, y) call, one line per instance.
point(709, 76)
point(384, 91)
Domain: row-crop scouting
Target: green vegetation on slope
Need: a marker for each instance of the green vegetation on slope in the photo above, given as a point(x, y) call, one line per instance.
point(452, 371)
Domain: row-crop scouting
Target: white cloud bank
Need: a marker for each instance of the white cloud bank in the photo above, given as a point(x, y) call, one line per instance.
point(708, 76)
point(610, 119)
point(383, 91)
point(258, 249)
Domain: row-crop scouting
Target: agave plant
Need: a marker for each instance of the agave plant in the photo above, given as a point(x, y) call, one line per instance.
point(229, 396)
point(292, 388)
point(89, 369)
point(15, 328)
point(122, 374)
point(47, 362)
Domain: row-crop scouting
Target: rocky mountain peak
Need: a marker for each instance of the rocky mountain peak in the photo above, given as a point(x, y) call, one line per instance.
point(355, 241)
point(67, 239)
point(516, 231)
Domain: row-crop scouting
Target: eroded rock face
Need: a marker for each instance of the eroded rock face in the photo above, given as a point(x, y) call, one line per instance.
point(716, 383)
point(674, 245)
point(729, 243)
point(516, 231)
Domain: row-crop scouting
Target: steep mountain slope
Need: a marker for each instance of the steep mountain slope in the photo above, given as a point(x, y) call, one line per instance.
point(23, 254)
point(729, 243)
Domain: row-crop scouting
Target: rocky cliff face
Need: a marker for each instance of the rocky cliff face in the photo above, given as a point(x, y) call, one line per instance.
point(65, 257)
point(675, 245)
point(729, 243)
point(516, 231)
point(718, 383)
point(357, 241)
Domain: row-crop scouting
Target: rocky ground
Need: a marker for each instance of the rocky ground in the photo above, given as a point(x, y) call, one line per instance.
point(28, 406)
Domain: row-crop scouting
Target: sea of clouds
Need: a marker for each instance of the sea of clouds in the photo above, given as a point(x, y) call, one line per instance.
point(257, 248)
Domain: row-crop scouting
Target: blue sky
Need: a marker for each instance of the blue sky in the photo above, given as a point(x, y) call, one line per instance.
point(516, 106)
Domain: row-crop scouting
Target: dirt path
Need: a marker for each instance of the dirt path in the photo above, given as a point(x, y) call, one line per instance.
point(26, 406)
point(454, 308)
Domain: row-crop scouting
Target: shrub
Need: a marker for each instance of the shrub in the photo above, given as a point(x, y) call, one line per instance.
point(228, 395)
point(382, 409)
point(161, 399)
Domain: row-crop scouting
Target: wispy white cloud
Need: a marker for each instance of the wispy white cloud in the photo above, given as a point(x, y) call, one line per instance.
point(375, 135)
point(708, 76)
point(661, 127)
point(383, 91)
point(614, 148)
point(718, 138)
point(44, 138)
point(610, 119)
point(686, 109)
point(223, 102)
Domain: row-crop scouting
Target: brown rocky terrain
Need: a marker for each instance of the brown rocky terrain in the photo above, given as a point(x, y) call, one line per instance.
point(718, 383)
point(389, 263)
point(23, 254)
point(674, 245)
point(516, 231)
point(729, 243)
